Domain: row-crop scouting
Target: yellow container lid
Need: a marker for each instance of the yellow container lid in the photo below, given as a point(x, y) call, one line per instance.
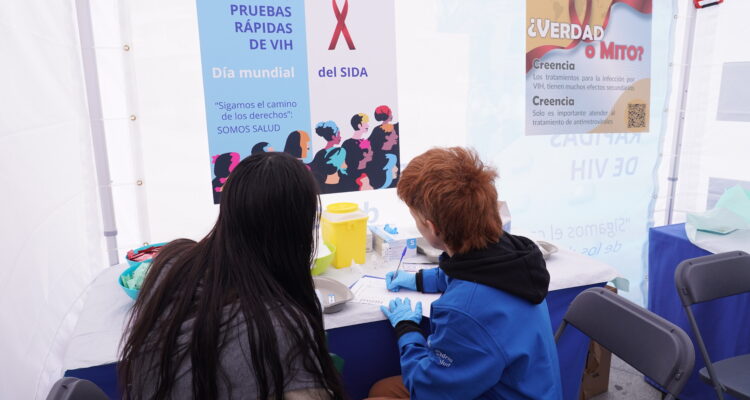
point(342, 208)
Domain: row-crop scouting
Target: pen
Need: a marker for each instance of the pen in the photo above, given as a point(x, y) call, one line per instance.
point(403, 253)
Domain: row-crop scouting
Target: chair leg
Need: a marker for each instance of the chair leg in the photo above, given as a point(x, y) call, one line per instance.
point(719, 392)
point(704, 352)
point(560, 330)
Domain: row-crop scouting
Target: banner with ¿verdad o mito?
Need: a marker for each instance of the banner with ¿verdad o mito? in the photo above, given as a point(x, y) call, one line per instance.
point(588, 66)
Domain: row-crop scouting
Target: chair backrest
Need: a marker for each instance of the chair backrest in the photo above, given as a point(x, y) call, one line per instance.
point(712, 277)
point(75, 389)
point(708, 278)
point(649, 343)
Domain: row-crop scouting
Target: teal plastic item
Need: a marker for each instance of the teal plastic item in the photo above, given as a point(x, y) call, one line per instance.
point(338, 362)
point(132, 278)
point(134, 253)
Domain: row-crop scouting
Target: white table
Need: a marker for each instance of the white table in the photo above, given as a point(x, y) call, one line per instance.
point(96, 338)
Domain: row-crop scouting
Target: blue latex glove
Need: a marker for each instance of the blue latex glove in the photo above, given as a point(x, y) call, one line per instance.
point(400, 310)
point(403, 279)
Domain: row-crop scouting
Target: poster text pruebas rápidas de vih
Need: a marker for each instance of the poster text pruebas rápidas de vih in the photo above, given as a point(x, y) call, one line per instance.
point(315, 79)
point(587, 66)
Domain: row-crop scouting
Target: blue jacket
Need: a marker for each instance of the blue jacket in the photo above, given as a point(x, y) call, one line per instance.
point(486, 343)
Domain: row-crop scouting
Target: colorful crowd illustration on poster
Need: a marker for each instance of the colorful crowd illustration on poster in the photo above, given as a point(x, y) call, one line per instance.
point(588, 66)
point(315, 79)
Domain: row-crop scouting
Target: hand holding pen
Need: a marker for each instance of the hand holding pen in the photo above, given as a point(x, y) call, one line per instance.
point(395, 280)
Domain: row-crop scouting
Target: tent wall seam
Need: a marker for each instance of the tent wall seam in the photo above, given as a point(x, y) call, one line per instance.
point(131, 98)
point(674, 168)
point(663, 136)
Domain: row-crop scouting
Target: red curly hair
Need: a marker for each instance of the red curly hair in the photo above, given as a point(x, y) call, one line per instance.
point(456, 191)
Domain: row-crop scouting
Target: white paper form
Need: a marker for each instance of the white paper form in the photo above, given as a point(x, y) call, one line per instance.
point(414, 267)
point(372, 290)
point(414, 264)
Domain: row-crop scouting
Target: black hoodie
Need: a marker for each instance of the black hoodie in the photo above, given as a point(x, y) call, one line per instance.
point(514, 265)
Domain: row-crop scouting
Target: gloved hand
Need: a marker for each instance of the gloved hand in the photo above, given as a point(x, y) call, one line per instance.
point(403, 279)
point(400, 310)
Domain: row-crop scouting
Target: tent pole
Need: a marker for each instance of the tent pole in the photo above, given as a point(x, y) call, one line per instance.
point(687, 58)
point(98, 138)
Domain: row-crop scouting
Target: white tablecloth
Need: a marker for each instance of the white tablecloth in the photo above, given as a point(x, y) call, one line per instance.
point(96, 338)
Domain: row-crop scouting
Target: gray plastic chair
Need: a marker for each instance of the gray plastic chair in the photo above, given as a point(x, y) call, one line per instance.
point(75, 389)
point(649, 343)
point(708, 278)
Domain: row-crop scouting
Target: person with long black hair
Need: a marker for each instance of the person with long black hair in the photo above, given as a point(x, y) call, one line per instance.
point(235, 315)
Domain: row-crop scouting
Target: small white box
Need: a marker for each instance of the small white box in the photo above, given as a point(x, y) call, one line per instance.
point(389, 244)
point(368, 242)
point(502, 206)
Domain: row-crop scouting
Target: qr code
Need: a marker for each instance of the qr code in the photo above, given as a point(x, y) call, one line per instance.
point(636, 116)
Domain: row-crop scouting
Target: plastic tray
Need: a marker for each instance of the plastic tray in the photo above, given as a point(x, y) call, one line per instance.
point(334, 294)
point(546, 248)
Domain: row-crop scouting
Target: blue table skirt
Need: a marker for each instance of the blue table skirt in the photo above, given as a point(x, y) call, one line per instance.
point(724, 323)
point(105, 376)
point(370, 352)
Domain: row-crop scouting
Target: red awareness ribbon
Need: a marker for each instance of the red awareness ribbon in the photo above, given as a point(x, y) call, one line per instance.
point(341, 26)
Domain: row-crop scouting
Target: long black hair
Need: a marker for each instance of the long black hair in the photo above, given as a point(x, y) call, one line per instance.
point(256, 261)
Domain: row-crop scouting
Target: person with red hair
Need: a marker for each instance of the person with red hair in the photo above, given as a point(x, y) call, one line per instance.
point(383, 114)
point(385, 134)
point(491, 335)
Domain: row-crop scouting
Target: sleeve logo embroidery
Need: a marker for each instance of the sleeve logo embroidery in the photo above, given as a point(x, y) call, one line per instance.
point(443, 359)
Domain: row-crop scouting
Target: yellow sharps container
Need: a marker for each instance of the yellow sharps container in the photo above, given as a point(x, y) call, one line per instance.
point(344, 225)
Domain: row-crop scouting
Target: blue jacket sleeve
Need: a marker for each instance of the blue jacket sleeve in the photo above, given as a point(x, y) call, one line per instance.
point(460, 360)
point(434, 280)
